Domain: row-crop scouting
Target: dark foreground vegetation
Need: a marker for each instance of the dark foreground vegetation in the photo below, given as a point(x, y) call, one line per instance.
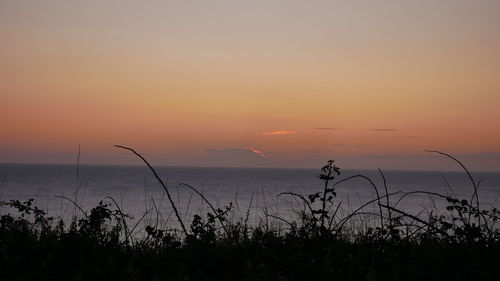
point(461, 242)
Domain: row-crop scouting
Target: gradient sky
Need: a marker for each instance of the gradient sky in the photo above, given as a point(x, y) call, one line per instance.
point(251, 83)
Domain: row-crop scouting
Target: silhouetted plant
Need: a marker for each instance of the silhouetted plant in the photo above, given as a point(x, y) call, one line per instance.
point(461, 243)
point(327, 175)
point(96, 227)
point(159, 240)
point(26, 209)
point(318, 220)
point(206, 230)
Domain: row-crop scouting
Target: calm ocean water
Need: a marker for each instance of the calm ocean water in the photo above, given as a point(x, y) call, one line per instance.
point(138, 193)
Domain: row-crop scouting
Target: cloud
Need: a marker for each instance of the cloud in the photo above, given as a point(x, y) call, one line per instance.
point(236, 153)
point(256, 151)
point(384, 129)
point(326, 128)
point(276, 133)
point(405, 137)
point(233, 157)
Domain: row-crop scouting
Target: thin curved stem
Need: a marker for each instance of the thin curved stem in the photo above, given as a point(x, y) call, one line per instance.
point(209, 204)
point(74, 203)
point(374, 187)
point(125, 227)
point(162, 184)
point(299, 196)
point(476, 187)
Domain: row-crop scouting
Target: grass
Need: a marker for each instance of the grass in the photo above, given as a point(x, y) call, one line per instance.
point(461, 242)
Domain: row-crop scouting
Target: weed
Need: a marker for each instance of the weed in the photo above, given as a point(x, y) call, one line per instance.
point(461, 243)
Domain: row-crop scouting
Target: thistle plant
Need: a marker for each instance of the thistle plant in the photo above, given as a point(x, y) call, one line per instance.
point(328, 173)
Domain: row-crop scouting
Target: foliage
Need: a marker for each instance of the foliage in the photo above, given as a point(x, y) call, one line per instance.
point(460, 242)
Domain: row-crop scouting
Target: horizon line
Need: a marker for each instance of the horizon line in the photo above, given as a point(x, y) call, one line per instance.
point(458, 170)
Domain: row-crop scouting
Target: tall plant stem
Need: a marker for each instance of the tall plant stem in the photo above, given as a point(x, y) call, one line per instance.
point(474, 184)
point(162, 184)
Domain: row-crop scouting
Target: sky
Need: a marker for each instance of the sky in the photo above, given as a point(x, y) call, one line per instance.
point(370, 84)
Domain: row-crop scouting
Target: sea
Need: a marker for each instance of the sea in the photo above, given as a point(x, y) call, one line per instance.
point(254, 195)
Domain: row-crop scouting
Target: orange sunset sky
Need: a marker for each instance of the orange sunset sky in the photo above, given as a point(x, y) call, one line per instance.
point(251, 83)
